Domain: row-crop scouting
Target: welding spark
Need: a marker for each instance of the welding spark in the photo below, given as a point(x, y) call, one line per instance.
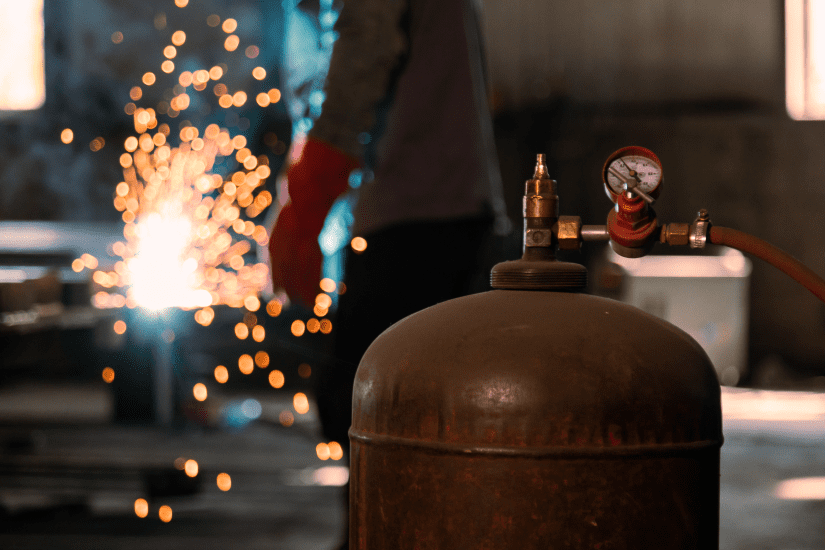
point(185, 236)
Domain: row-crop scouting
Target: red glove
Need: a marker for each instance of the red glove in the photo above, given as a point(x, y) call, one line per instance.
point(318, 177)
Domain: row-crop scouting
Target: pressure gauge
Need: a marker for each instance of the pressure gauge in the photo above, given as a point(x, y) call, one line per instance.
point(633, 169)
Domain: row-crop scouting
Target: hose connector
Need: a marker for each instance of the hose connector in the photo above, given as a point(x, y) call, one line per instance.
point(699, 229)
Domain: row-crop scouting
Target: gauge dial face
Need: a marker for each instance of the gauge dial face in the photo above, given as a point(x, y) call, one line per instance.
point(632, 168)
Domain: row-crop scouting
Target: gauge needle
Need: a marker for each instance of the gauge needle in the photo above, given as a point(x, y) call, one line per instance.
point(632, 185)
point(632, 172)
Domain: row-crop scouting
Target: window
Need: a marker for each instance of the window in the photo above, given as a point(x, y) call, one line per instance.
point(22, 72)
point(805, 59)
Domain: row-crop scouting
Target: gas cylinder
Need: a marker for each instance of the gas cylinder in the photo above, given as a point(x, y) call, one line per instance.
point(535, 416)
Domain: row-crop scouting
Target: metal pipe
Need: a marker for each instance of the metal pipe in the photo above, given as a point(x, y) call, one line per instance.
point(595, 233)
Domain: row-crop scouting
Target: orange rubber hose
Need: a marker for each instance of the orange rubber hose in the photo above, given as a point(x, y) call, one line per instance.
point(769, 253)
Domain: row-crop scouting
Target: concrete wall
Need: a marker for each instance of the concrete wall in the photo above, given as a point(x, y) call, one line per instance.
point(634, 50)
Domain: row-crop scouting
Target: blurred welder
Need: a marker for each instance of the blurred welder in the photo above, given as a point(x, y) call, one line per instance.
point(436, 194)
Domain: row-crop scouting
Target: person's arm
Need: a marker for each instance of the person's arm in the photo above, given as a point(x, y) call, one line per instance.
point(368, 48)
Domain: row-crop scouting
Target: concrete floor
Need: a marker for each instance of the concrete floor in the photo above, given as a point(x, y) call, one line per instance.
point(70, 481)
point(771, 439)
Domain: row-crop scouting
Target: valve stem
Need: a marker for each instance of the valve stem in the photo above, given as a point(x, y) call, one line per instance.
point(541, 210)
point(541, 171)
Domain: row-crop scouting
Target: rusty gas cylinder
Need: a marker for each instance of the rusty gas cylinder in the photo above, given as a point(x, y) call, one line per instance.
point(535, 416)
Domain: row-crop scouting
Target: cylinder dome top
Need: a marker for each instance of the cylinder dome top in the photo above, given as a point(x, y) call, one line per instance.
point(517, 369)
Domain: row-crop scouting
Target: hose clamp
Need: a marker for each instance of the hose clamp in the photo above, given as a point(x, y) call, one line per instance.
point(699, 229)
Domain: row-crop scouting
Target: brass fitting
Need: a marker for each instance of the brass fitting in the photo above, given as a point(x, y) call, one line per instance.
point(568, 232)
point(676, 234)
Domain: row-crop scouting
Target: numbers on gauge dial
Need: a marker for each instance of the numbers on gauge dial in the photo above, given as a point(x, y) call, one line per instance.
point(636, 169)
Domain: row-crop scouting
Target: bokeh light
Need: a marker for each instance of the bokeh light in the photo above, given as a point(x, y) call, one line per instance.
point(108, 375)
point(191, 468)
point(224, 482)
point(221, 374)
point(199, 391)
point(297, 327)
point(323, 300)
point(119, 327)
point(286, 418)
point(246, 364)
point(185, 79)
point(231, 42)
point(276, 379)
point(67, 135)
point(97, 144)
point(322, 450)
point(327, 285)
point(141, 508)
point(336, 452)
point(252, 303)
point(229, 25)
point(205, 316)
point(359, 244)
point(262, 359)
point(165, 512)
point(300, 403)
